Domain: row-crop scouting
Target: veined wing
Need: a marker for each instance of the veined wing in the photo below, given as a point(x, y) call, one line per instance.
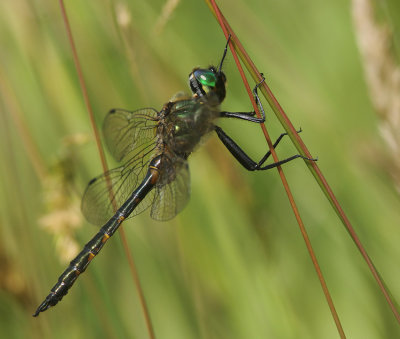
point(171, 196)
point(125, 131)
point(110, 190)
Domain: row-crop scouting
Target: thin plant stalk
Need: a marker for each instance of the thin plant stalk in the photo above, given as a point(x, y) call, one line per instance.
point(312, 165)
point(281, 173)
point(128, 254)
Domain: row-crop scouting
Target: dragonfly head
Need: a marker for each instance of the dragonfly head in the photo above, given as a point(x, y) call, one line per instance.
point(207, 82)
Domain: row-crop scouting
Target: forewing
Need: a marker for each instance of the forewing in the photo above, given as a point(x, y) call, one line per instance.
point(106, 193)
point(172, 197)
point(125, 131)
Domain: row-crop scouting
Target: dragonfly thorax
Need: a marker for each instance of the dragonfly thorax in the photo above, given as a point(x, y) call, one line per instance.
point(207, 82)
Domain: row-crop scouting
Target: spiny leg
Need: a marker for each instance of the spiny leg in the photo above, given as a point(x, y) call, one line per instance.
point(249, 116)
point(246, 161)
point(266, 156)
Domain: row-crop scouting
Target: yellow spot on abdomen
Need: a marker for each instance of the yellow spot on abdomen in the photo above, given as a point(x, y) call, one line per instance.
point(91, 256)
point(105, 238)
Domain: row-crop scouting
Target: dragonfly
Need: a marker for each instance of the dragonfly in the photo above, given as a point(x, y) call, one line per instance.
point(153, 147)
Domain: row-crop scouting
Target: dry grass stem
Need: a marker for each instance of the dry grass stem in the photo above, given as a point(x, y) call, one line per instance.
point(165, 15)
point(382, 75)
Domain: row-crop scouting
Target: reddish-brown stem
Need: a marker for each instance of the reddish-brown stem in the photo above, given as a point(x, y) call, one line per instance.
point(138, 285)
point(129, 256)
point(313, 166)
point(227, 30)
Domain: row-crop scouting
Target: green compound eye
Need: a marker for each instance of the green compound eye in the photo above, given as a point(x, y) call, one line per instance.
point(205, 77)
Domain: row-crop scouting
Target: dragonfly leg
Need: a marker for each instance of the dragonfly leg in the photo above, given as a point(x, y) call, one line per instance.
point(249, 116)
point(249, 163)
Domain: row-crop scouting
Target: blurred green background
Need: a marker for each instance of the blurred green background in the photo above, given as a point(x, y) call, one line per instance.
point(233, 264)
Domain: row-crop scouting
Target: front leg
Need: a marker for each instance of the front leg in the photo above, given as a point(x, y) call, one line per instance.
point(249, 116)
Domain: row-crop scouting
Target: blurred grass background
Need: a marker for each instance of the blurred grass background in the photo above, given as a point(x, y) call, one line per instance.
point(233, 263)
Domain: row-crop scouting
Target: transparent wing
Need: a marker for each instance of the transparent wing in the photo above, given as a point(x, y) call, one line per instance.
point(125, 131)
point(110, 190)
point(173, 192)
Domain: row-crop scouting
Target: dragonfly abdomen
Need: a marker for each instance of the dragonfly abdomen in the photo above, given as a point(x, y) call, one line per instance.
point(79, 264)
point(93, 247)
